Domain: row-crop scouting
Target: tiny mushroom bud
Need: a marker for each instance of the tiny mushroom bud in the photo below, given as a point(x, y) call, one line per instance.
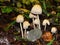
point(26, 24)
point(45, 22)
point(53, 29)
point(19, 18)
point(32, 16)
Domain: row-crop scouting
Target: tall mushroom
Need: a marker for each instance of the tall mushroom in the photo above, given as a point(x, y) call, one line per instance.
point(25, 26)
point(20, 19)
point(45, 22)
point(32, 16)
point(53, 30)
point(36, 9)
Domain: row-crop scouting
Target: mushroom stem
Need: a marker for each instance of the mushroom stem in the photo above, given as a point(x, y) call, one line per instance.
point(39, 22)
point(33, 23)
point(21, 30)
point(25, 33)
point(45, 28)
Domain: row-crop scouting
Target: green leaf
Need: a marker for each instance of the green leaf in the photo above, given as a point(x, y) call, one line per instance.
point(48, 14)
point(50, 43)
point(44, 4)
point(24, 1)
point(32, 1)
point(58, 14)
point(19, 4)
point(6, 9)
point(17, 37)
point(26, 15)
point(2, 0)
point(12, 23)
point(27, 2)
point(57, 0)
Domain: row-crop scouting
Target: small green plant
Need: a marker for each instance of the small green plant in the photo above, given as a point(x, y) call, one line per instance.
point(50, 43)
point(6, 9)
point(12, 23)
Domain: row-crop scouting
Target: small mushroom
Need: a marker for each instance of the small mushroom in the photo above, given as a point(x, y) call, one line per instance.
point(53, 29)
point(25, 26)
point(32, 16)
point(45, 22)
point(20, 19)
point(36, 21)
point(36, 9)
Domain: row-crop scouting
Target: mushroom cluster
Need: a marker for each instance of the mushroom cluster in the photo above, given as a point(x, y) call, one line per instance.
point(37, 10)
point(35, 33)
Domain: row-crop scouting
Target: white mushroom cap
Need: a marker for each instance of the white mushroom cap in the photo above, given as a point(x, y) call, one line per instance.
point(26, 24)
point(53, 29)
point(36, 21)
point(19, 18)
point(36, 9)
point(32, 16)
point(45, 21)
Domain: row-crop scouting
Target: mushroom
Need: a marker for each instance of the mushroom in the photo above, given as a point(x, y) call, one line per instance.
point(53, 29)
point(25, 26)
point(32, 16)
point(36, 21)
point(36, 9)
point(20, 19)
point(45, 22)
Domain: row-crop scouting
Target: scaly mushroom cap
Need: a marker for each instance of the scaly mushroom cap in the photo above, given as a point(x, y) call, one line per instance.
point(53, 29)
point(36, 21)
point(19, 19)
point(32, 16)
point(45, 21)
point(36, 9)
point(26, 24)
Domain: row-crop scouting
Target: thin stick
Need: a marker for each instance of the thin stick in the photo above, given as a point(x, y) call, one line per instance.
point(21, 30)
point(33, 23)
point(39, 22)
